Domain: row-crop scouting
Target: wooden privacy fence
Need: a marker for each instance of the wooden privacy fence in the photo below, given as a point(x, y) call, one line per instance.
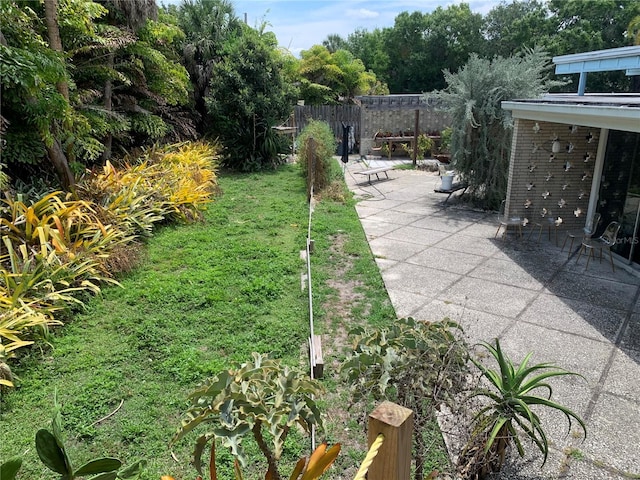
point(334, 115)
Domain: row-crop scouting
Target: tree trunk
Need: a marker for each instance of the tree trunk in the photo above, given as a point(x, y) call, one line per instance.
point(108, 106)
point(55, 43)
point(56, 154)
point(271, 461)
point(59, 160)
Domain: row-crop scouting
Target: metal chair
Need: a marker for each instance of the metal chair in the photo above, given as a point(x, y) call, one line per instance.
point(606, 240)
point(508, 221)
point(587, 232)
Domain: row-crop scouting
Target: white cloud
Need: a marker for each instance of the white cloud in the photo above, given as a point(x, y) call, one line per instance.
point(362, 13)
point(300, 24)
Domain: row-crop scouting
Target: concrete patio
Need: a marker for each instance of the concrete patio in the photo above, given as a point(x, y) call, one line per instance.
point(442, 260)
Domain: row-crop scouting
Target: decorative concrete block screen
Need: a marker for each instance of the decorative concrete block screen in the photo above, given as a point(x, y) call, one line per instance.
point(396, 113)
point(550, 174)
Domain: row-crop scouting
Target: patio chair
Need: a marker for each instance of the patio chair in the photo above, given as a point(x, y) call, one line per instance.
point(587, 232)
point(606, 240)
point(508, 221)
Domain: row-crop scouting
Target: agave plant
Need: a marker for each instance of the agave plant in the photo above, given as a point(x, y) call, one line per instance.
point(510, 412)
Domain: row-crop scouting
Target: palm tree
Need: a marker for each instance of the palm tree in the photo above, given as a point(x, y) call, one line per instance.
point(134, 14)
point(207, 25)
point(334, 42)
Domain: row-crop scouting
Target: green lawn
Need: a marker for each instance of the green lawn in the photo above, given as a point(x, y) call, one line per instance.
point(206, 296)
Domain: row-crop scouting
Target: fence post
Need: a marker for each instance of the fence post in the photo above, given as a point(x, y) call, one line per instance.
point(310, 151)
point(416, 134)
point(393, 461)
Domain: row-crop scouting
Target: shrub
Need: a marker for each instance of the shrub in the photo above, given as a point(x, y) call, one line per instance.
point(172, 183)
point(425, 144)
point(481, 129)
point(53, 249)
point(261, 397)
point(321, 150)
point(416, 364)
point(54, 223)
point(247, 96)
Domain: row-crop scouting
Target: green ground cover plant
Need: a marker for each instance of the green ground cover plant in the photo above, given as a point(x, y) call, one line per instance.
point(56, 250)
point(205, 297)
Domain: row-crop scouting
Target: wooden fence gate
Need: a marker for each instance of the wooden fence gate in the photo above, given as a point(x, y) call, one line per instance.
point(334, 115)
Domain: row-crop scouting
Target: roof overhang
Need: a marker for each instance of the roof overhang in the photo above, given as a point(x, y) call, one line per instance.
point(614, 117)
point(622, 58)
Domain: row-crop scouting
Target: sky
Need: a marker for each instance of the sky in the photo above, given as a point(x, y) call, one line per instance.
point(300, 24)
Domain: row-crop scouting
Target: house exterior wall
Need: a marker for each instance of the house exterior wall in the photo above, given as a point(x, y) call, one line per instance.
point(545, 186)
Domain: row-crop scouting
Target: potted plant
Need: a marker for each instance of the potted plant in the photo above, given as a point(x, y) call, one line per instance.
point(444, 154)
point(425, 144)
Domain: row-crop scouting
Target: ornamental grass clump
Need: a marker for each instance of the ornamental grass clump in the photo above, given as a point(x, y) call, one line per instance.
point(510, 414)
point(317, 146)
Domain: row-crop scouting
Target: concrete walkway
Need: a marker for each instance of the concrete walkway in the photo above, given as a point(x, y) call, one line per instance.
point(442, 260)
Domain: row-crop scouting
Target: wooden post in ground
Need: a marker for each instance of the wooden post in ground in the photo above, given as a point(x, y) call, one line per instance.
point(393, 461)
point(310, 151)
point(416, 134)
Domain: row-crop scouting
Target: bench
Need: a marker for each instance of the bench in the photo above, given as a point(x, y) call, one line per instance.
point(375, 171)
point(454, 188)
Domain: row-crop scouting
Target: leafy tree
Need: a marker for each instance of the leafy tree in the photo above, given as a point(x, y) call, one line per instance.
point(581, 26)
point(513, 27)
point(334, 77)
point(423, 45)
point(633, 30)
point(406, 45)
point(318, 76)
point(481, 130)
point(369, 47)
point(453, 35)
point(90, 81)
point(248, 95)
point(36, 82)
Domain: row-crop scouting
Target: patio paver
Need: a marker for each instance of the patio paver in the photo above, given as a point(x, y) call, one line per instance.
point(534, 298)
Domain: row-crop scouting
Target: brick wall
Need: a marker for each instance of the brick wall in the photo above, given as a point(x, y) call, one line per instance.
point(544, 185)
